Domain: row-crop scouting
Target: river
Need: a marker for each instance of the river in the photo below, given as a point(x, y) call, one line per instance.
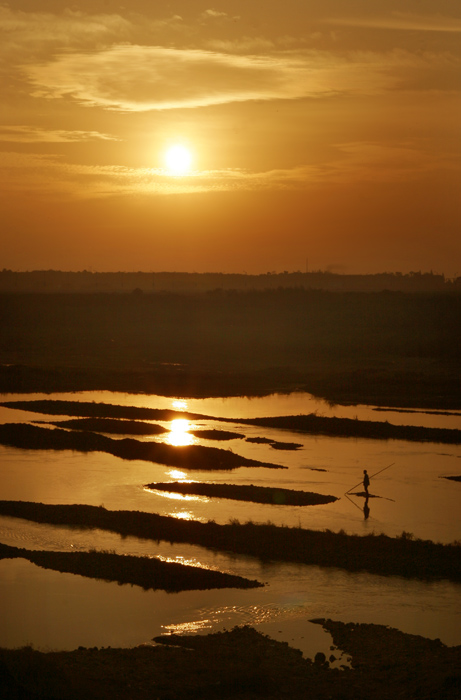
point(51, 610)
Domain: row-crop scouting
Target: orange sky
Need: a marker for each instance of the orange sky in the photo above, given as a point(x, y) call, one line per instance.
point(322, 130)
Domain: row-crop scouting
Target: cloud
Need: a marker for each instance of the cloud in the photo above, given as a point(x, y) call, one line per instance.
point(25, 32)
point(402, 21)
point(353, 162)
point(141, 78)
point(31, 134)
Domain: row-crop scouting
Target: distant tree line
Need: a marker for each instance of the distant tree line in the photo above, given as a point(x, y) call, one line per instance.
point(52, 281)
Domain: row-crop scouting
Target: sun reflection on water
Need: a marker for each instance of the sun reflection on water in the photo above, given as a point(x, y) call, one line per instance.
point(176, 474)
point(179, 435)
point(177, 496)
point(183, 515)
point(189, 627)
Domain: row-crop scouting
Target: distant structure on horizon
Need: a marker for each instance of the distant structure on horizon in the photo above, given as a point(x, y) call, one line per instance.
point(52, 281)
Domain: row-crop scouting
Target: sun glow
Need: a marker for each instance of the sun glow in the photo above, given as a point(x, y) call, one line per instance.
point(178, 160)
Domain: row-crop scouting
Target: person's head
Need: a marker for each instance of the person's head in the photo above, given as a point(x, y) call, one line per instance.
point(364, 471)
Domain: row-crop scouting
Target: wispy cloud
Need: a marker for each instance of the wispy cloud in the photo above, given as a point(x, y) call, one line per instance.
point(402, 21)
point(27, 31)
point(353, 162)
point(31, 134)
point(218, 15)
point(141, 78)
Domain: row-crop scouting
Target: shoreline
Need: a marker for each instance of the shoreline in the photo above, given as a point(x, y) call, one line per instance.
point(385, 388)
point(240, 664)
point(378, 554)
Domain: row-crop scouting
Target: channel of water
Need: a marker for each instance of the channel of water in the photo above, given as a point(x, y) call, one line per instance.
point(61, 611)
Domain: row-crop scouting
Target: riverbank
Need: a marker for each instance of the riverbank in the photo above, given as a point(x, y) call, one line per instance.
point(253, 494)
point(148, 572)
point(311, 424)
point(379, 554)
point(240, 664)
point(409, 384)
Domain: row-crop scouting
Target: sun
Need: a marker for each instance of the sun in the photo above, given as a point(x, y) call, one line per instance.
point(178, 160)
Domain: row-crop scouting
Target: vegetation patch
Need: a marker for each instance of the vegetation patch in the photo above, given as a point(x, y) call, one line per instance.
point(111, 425)
point(275, 443)
point(215, 434)
point(149, 573)
point(91, 409)
point(255, 494)
point(311, 424)
point(349, 427)
point(198, 457)
point(379, 554)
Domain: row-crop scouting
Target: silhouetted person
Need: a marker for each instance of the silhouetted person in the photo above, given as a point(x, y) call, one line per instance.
point(366, 509)
point(366, 482)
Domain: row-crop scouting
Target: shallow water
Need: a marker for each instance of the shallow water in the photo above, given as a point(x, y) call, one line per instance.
point(52, 610)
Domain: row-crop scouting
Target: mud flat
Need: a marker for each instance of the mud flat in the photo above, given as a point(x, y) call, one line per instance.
point(379, 554)
point(111, 426)
point(90, 409)
point(254, 494)
point(276, 444)
point(149, 573)
point(348, 427)
point(32, 437)
point(310, 424)
point(241, 664)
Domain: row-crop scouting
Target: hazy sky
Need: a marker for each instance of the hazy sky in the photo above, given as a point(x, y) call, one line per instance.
point(326, 131)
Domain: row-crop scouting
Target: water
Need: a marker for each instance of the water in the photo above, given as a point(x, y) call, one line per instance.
point(53, 610)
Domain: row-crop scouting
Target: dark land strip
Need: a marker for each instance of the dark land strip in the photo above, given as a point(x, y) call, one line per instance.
point(311, 423)
point(384, 349)
point(134, 427)
point(111, 426)
point(349, 427)
point(379, 554)
point(255, 494)
point(240, 664)
point(275, 443)
point(90, 409)
point(198, 457)
point(149, 573)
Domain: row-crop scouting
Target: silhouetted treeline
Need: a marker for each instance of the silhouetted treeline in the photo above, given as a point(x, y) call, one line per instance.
point(150, 282)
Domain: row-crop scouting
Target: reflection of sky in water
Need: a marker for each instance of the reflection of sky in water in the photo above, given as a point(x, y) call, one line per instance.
point(412, 497)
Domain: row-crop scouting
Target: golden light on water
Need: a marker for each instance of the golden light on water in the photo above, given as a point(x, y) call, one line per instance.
point(183, 560)
point(176, 474)
point(183, 515)
point(177, 496)
point(189, 627)
point(179, 435)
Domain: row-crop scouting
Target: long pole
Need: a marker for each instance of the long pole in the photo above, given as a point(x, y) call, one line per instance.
point(371, 477)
